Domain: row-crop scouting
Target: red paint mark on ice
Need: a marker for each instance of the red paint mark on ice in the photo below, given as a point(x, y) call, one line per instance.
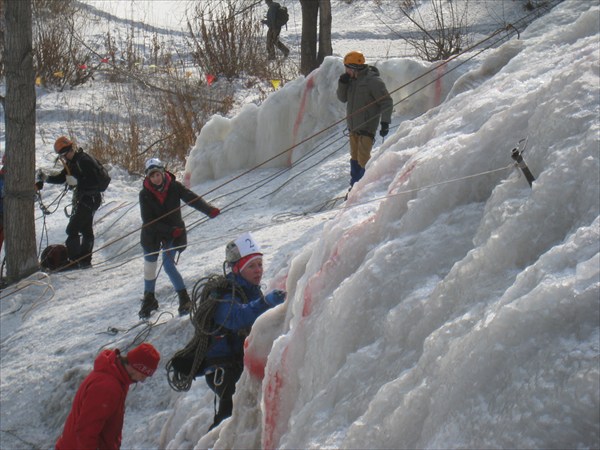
point(310, 83)
point(439, 72)
point(307, 307)
point(187, 179)
point(254, 364)
point(400, 181)
point(272, 400)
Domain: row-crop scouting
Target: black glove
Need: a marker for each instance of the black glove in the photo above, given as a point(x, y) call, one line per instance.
point(40, 177)
point(385, 129)
point(345, 78)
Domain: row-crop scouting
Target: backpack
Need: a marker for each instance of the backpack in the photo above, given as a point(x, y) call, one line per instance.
point(282, 16)
point(101, 173)
point(54, 257)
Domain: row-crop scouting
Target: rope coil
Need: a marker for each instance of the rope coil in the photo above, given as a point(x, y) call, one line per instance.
point(204, 303)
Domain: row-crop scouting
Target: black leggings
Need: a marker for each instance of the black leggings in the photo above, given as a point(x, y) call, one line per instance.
point(226, 378)
point(80, 234)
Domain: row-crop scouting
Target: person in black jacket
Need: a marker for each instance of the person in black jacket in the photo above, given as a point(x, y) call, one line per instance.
point(80, 174)
point(274, 30)
point(164, 229)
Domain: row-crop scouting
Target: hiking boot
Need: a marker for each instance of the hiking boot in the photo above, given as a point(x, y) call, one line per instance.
point(185, 304)
point(149, 304)
point(69, 265)
point(85, 264)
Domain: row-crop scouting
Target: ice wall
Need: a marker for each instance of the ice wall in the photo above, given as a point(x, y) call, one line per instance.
point(462, 310)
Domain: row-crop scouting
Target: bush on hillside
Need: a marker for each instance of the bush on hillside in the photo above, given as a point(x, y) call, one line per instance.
point(60, 57)
point(228, 42)
point(441, 33)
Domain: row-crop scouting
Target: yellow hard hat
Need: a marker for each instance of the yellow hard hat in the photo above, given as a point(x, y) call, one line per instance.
point(354, 58)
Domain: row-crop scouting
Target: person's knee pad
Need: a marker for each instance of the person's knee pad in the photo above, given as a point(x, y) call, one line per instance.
point(150, 269)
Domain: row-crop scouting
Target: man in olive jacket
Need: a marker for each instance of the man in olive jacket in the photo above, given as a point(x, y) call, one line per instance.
point(368, 102)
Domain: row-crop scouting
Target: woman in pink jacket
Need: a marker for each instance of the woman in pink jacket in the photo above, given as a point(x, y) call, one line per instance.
point(96, 417)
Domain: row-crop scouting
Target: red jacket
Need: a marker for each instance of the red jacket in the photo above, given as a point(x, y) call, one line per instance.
point(96, 417)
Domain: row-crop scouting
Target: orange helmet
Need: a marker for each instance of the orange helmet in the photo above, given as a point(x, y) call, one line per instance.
point(62, 145)
point(354, 58)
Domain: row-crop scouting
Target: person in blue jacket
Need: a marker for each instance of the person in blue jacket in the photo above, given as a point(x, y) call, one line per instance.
point(233, 317)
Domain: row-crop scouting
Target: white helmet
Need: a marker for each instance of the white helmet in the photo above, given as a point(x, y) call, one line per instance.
point(243, 246)
point(154, 164)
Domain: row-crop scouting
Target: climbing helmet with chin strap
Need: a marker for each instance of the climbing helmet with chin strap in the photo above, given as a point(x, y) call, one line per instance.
point(154, 165)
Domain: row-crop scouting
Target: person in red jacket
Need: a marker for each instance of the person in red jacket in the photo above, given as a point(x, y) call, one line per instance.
point(96, 417)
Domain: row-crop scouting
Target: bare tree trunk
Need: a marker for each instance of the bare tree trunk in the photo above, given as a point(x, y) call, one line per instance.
point(308, 42)
point(325, 48)
point(19, 108)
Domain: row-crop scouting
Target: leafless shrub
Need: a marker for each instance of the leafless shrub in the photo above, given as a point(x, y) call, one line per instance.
point(160, 117)
point(59, 58)
point(115, 134)
point(184, 108)
point(441, 33)
point(228, 42)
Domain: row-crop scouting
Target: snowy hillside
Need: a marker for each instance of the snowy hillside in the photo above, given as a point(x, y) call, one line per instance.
point(445, 304)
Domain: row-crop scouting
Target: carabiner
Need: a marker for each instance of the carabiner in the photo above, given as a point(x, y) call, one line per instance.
point(219, 376)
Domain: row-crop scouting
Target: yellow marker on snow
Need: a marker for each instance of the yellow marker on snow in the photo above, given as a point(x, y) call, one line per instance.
point(275, 83)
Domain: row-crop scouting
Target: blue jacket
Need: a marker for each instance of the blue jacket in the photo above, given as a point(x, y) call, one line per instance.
point(236, 319)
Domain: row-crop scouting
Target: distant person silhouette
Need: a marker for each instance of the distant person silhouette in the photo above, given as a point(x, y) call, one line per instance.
point(274, 30)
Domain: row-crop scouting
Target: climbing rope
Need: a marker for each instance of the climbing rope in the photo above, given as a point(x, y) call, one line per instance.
point(141, 336)
point(508, 29)
point(204, 303)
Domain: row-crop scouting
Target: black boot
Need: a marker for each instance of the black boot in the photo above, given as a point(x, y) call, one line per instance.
point(149, 304)
point(185, 304)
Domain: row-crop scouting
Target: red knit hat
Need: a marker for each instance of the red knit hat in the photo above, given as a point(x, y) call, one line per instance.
point(243, 262)
point(144, 358)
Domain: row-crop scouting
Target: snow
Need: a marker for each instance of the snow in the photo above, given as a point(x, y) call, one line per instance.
point(446, 304)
